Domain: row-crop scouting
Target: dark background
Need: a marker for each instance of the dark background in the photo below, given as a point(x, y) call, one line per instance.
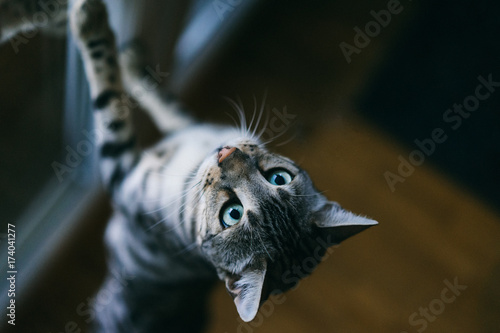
point(436, 64)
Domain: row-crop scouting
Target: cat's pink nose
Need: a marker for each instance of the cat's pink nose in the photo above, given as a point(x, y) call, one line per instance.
point(225, 152)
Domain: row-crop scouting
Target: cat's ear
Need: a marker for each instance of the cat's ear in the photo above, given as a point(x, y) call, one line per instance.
point(246, 290)
point(338, 224)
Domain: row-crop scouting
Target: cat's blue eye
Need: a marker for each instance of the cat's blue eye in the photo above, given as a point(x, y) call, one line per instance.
point(232, 214)
point(279, 177)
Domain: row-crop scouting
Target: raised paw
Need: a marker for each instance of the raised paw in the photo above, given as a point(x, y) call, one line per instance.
point(133, 60)
point(89, 20)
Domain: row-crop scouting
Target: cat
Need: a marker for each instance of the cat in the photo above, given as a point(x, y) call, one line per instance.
point(207, 203)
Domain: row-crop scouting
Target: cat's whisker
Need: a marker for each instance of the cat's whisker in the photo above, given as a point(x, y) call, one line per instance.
point(251, 237)
point(176, 200)
point(155, 224)
point(241, 111)
point(308, 195)
point(233, 119)
point(275, 137)
point(161, 172)
point(180, 175)
point(264, 127)
point(183, 209)
point(167, 175)
point(261, 112)
point(183, 206)
point(254, 113)
point(238, 111)
point(192, 176)
point(150, 200)
point(187, 248)
point(264, 246)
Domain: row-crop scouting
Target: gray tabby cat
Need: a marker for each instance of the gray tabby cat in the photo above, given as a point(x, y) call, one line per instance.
point(208, 201)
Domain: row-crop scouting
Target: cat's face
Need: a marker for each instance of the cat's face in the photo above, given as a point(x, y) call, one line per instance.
point(262, 221)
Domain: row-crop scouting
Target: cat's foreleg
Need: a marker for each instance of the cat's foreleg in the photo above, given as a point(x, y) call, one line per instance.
point(115, 133)
point(165, 111)
point(27, 16)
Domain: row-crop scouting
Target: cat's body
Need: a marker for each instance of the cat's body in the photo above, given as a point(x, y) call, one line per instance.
point(206, 203)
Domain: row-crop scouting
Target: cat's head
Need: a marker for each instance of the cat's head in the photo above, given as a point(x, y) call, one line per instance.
point(264, 226)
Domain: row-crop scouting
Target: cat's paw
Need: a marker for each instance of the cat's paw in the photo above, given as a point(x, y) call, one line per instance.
point(133, 60)
point(89, 20)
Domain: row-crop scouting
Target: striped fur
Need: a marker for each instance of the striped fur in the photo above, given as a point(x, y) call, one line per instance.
point(117, 142)
point(167, 242)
